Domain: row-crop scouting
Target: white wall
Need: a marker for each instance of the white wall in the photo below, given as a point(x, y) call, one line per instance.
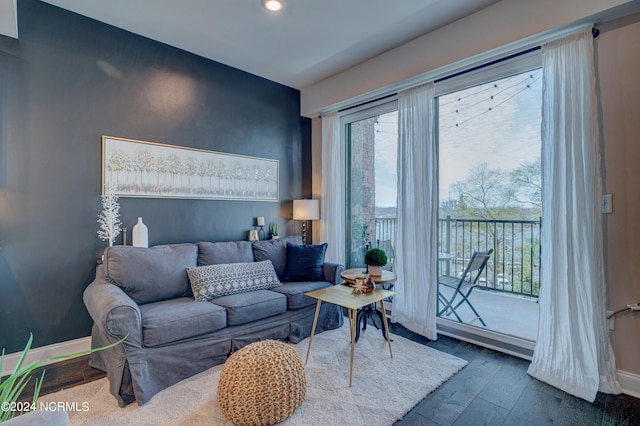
point(501, 24)
point(9, 18)
point(618, 58)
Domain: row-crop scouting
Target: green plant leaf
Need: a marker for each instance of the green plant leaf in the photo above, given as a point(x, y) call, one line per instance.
point(11, 388)
point(375, 257)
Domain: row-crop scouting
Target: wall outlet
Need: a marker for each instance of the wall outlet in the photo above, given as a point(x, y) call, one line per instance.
point(611, 321)
point(607, 207)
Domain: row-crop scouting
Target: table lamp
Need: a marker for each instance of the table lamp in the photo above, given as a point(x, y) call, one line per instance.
point(305, 210)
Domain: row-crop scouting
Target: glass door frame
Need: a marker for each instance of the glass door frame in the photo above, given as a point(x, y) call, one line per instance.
point(493, 71)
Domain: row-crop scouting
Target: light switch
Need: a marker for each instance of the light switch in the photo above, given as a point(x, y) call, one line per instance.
point(607, 207)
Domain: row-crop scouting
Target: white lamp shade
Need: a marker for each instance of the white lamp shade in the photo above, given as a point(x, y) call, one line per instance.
point(306, 210)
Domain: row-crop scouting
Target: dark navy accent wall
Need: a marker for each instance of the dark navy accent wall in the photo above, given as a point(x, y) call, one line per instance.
point(66, 82)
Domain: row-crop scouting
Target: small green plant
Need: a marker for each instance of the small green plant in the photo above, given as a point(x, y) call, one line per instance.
point(13, 385)
point(273, 228)
point(375, 257)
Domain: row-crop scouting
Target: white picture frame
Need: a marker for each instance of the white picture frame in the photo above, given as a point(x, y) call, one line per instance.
point(154, 170)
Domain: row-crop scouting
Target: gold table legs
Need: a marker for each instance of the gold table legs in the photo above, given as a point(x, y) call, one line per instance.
point(352, 329)
point(313, 329)
point(385, 325)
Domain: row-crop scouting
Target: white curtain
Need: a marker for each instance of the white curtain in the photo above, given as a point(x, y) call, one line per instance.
point(332, 203)
point(414, 305)
point(573, 351)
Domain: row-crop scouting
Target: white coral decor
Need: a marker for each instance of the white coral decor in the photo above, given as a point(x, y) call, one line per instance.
point(109, 219)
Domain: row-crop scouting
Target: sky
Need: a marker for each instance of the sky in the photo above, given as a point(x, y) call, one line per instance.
point(497, 122)
point(386, 159)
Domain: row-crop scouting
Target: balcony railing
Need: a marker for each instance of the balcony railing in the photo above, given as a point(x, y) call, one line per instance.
point(514, 266)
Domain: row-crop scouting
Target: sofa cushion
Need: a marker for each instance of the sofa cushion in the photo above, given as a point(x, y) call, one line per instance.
point(251, 306)
point(295, 292)
point(224, 252)
point(304, 262)
point(151, 274)
point(179, 319)
point(275, 251)
point(211, 281)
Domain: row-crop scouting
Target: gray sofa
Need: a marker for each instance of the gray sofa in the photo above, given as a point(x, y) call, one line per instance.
point(145, 294)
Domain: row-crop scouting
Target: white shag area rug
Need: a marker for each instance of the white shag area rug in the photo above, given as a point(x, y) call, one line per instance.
point(384, 389)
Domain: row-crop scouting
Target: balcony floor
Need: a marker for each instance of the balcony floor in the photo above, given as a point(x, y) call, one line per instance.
point(503, 313)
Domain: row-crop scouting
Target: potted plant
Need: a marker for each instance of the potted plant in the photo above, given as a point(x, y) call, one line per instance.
point(375, 258)
point(273, 228)
point(12, 386)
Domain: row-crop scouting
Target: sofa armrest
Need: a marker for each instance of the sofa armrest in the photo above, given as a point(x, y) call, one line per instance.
point(331, 272)
point(113, 311)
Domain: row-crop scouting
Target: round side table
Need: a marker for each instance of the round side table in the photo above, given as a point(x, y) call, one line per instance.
point(350, 276)
point(370, 311)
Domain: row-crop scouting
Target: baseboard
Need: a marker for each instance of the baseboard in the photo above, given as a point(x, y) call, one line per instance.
point(45, 352)
point(630, 383)
point(520, 348)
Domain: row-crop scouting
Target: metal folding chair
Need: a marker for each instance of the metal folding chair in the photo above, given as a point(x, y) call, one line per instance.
point(463, 285)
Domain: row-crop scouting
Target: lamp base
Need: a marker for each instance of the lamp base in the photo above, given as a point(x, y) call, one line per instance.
point(304, 232)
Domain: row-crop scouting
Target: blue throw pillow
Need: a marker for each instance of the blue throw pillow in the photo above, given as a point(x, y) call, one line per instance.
point(304, 262)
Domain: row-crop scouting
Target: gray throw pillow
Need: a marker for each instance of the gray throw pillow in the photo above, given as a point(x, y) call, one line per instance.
point(275, 251)
point(224, 252)
point(209, 282)
point(151, 274)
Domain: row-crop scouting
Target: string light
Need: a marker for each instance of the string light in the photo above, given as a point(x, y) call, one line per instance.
point(521, 85)
point(488, 87)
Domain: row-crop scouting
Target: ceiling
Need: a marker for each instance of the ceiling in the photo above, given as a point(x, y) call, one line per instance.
point(308, 41)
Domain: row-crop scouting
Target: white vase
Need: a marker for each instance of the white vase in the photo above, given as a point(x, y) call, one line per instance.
point(140, 234)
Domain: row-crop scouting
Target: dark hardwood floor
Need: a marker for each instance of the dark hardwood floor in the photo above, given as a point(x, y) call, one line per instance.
point(63, 375)
point(493, 389)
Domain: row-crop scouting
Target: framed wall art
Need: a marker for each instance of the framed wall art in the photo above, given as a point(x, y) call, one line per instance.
point(153, 170)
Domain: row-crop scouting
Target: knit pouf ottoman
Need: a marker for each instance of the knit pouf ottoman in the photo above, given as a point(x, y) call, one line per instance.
point(262, 384)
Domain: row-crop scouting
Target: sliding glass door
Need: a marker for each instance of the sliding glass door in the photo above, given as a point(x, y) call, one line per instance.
point(490, 196)
point(488, 136)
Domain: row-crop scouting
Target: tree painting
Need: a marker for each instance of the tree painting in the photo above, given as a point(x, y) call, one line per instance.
point(144, 169)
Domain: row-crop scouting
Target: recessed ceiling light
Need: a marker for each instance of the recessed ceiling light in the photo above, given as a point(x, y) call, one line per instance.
point(273, 5)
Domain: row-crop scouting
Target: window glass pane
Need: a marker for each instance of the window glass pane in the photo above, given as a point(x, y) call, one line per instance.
point(490, 196)
point(372, 185)
point(486, 132)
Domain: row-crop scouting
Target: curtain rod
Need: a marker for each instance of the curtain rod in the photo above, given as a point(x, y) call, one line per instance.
point(367, 102)
point(595, 32)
